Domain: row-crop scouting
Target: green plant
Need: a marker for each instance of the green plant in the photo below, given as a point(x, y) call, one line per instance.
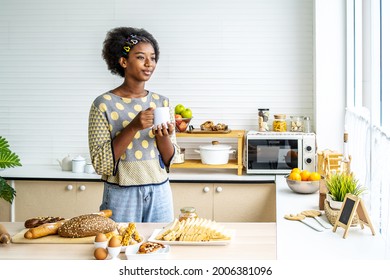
point(339, 184)
point(8, 159)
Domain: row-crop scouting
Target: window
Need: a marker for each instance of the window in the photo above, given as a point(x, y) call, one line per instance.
point(368, 104)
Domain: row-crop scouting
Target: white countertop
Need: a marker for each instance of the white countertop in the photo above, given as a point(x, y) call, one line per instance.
point(294, 239)
point(54, 172)
point(297, 241)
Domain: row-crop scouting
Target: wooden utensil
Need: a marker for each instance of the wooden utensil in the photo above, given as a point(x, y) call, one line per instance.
point(314, 214)
point(300, 217)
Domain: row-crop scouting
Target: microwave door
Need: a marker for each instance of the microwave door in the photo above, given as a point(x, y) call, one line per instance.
point(273, 156)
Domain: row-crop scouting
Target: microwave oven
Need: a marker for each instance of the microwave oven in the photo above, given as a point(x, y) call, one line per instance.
point(279, 152)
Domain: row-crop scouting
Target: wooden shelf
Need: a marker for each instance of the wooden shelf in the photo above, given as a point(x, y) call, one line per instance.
point(233, 164)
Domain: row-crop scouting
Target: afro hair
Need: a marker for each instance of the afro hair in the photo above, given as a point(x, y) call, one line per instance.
point(116, 39)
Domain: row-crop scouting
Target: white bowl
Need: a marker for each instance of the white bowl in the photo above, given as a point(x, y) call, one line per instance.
point(102, 244)
point(303, 186)
point(131, 254)
point(123, 248)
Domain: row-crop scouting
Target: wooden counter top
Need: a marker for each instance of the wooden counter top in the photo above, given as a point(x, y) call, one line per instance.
point(252, 241)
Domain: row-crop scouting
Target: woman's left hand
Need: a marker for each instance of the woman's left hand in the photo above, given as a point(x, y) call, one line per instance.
point(163, 130)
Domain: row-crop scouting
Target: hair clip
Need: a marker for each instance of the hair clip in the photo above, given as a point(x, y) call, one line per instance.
point(131, 41)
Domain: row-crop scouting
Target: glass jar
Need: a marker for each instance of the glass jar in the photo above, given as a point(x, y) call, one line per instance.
point(307, 124)
point(263, 119)
point(187, 213)
point(280, 124)
point(296, 124)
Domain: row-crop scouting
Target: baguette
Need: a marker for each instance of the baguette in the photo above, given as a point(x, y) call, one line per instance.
point(44, 230)
point(105, 213)
point(5, 237)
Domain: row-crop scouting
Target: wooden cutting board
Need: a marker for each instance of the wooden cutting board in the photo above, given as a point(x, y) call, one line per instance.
point(51, 239)
point(199, 131)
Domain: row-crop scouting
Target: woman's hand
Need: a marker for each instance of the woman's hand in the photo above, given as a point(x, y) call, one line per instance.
point(163, 130)
point(143, 119)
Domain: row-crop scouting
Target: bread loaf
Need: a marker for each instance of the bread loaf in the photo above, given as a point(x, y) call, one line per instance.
point(86, 225)
point(37, 221)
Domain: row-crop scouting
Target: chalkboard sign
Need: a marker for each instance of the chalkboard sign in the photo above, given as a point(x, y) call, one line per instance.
point(352, 205)
point(347, 211)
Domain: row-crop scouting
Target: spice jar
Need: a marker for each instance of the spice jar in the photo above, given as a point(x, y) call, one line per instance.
point(280, 123)
point(187, 213)
point(263, 119)
point(296, 124)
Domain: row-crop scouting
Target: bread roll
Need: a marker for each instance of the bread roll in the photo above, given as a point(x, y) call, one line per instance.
point(86, 225)
point(149, 247)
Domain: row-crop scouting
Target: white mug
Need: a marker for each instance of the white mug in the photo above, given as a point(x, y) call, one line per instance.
point(161, 116)
point(89, 168)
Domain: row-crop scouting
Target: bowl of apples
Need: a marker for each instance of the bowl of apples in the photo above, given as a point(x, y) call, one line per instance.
point(183, 117)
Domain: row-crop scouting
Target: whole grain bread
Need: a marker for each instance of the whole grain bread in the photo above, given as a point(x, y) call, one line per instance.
point(86, 225)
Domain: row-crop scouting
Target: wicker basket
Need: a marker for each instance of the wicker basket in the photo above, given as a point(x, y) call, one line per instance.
point(332, 214)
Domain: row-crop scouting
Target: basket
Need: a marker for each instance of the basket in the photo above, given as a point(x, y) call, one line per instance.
point(332, 214)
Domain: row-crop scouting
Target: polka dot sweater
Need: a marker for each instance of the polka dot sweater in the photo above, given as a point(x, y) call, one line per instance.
point(141, 164)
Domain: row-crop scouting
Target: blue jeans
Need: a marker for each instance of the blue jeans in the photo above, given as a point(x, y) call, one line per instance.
point(147, 204)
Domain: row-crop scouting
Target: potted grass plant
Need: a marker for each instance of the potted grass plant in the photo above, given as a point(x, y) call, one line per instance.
point(340, 184)
point(8, 159)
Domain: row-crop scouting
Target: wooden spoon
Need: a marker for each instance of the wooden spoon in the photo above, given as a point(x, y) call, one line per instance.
point(300, 217)
point(314, 214)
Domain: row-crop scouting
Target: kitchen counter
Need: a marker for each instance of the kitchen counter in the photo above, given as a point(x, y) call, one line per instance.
point(252, 241)
point(294, 240)
point(54, 172)
point(297, 241)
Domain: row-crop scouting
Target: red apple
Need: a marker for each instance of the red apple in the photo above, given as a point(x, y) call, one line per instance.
point(182, 126)
point(178, 119)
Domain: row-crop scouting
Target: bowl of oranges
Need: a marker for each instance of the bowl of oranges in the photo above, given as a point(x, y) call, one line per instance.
point(303, 181)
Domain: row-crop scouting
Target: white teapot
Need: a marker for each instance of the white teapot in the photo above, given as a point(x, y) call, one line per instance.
point(66, 163)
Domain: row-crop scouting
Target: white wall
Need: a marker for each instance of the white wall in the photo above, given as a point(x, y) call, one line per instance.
point(222, 58)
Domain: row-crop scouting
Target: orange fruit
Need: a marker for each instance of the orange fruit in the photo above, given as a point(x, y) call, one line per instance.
point(305, 175)
point(296, 169)
point(295, 176)
point(315, 176)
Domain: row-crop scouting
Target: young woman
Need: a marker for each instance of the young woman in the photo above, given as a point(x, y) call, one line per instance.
point(130, 153)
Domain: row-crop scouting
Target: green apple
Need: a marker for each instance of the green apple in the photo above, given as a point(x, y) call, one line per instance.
point(179, 108)
point(187, 113)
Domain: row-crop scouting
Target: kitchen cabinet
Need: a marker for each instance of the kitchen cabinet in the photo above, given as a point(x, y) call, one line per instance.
point(232, 164)
point(56, 198)
point(227, 202)
point(5, 211)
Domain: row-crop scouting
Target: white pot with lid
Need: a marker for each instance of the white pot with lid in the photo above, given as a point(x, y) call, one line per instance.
point(78, 164)
point(215, 154)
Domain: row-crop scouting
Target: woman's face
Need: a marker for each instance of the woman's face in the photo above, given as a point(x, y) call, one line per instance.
point(141, 62)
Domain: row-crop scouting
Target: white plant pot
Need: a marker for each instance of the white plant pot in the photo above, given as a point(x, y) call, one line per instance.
point(332, 203)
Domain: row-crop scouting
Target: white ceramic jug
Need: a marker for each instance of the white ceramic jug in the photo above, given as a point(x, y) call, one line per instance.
point(78, 164)
point(66, 163)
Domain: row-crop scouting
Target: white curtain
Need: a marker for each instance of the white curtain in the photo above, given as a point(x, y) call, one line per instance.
point(369, 147)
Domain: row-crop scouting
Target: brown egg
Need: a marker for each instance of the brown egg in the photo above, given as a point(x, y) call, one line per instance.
point(100, 237)
point(114, 242)
point(100, 253)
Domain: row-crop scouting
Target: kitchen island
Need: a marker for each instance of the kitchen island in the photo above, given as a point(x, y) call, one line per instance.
point(252, 241)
